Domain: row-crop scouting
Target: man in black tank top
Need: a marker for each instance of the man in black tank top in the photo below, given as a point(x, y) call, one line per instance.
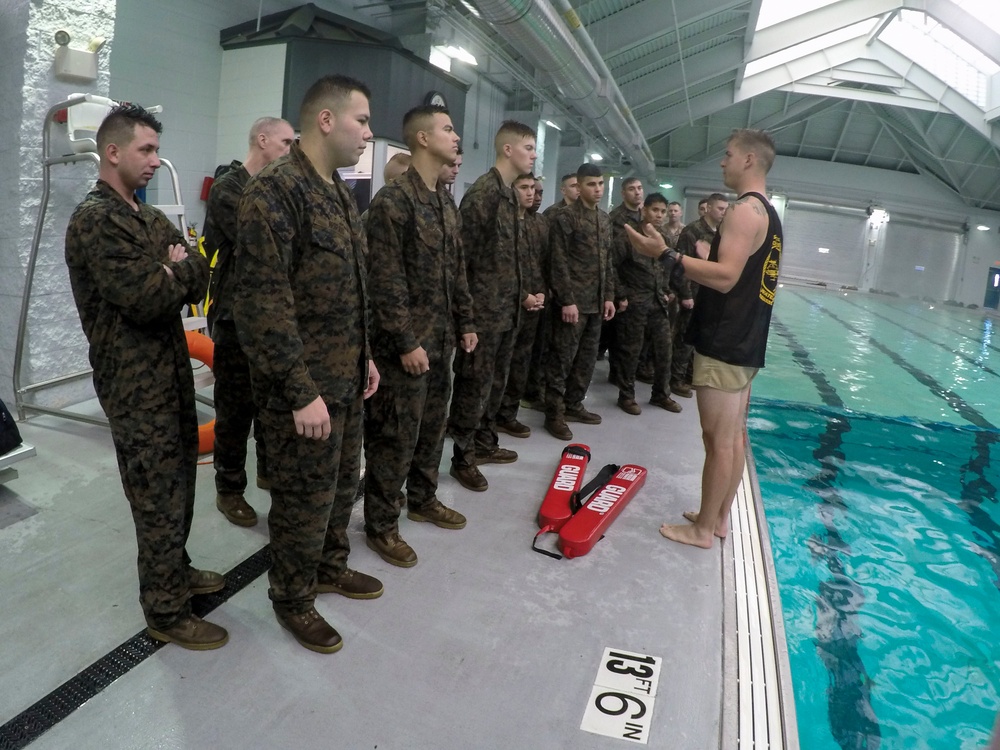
point(729, 330)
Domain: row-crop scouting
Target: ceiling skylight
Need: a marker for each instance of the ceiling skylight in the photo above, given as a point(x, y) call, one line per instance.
point(807, 48)
point(942, 52)
point(776, 11)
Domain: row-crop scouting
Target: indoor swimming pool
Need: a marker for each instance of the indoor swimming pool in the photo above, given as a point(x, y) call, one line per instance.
point(875, 429)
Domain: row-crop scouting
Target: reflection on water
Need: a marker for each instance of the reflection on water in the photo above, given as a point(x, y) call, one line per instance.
point(884, 520)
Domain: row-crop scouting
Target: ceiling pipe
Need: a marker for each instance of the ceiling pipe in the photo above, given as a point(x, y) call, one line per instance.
point(555, 41)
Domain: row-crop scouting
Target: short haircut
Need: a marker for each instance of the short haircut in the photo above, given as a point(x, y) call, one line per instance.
point(397, 164)
point(758, 142)
point(628, 181)
point(420, 119)
point(655, 198)
point(263, 125)
point(525, 176)
point(329, 92)
point(566, 178)
point(118, 126)
point(509, 131)
point(461, 152)
point(715, 198)
point(704, 201)
point(588, 170)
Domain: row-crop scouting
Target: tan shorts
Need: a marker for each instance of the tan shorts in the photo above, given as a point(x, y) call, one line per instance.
point(719, 375)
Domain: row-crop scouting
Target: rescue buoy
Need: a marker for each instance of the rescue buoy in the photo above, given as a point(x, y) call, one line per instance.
point(201, 349)
point(581, 514)
point(580, 533)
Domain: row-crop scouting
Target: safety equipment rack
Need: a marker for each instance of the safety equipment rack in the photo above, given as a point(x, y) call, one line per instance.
point(84, 114)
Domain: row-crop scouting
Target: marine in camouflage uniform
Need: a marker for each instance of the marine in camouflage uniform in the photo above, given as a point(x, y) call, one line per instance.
point(647, 285)
point(130, 312)
point(619, 215)
point(581, 274)
point(235, 412)
point(420, 298)
point(533, 241)
point(489, 227)
point(301, 312)
point(689, 236)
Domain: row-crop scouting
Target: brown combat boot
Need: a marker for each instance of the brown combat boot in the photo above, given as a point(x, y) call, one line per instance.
point(496, 456)
point(391, 548)
point(629, 406)
point(557, 428)
point(665, 402)
point(470, 477)
point(352, 584)
point(438, 514)
point(205, 581)
point(312, 631)
point(236, 510)
point(580, 414)
point(514, 429)
point(192, 633)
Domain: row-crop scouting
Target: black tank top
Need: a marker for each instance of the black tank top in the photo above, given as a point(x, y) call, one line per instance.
point(732, 326)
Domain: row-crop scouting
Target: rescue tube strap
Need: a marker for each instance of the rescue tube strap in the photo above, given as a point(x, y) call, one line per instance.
point(577, 499)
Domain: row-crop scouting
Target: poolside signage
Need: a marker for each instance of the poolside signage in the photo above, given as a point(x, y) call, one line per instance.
point(621, 701)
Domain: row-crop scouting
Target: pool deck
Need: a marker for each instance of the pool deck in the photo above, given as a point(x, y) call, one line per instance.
point(484, 644)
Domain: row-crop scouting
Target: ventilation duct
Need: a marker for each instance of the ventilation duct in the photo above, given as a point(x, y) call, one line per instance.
point(555, 41)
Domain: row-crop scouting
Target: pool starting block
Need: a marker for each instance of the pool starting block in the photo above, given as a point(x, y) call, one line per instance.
point(581, 514)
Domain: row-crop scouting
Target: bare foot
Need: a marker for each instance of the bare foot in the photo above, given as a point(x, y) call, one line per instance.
point(721, 531)
point(687, 535)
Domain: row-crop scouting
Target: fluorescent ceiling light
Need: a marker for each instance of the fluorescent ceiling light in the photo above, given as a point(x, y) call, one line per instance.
point(983, 228)
point(596, 157)
point(471, 8)
point(552, 125)
point(666, 185)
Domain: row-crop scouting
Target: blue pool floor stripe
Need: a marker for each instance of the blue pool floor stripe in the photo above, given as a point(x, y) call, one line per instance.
point(975, 489)
point(44, 714)
point(853, 722)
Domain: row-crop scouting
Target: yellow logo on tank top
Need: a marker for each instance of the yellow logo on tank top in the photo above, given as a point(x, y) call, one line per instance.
point(769, 276)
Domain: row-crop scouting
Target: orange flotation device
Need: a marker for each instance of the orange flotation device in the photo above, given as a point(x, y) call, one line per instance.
point(201, 349)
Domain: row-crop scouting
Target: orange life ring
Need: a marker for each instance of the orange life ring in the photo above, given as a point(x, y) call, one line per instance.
point(202, 349)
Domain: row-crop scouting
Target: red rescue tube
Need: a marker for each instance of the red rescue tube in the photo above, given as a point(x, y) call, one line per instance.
point(567, 481)
point(202, 349)
point(580, 533)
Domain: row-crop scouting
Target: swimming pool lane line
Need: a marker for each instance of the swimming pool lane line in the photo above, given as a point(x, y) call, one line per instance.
point(918, 334)
point(927, 320)
point(973, 491)
point(958, 404)
point(838, 633)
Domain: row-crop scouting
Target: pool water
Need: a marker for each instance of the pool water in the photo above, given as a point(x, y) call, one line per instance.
point(876, 433)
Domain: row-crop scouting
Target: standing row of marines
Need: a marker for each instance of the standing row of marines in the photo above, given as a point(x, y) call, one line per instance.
point(316, 312)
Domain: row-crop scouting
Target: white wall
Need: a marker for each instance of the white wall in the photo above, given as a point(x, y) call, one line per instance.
point(849, 185)
point(55, 344)
point(485, 108)
point(252, 81)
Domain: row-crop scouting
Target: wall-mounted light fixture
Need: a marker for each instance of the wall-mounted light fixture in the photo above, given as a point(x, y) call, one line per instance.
point(983, 228)
point(76, 65)
point(877, 216)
